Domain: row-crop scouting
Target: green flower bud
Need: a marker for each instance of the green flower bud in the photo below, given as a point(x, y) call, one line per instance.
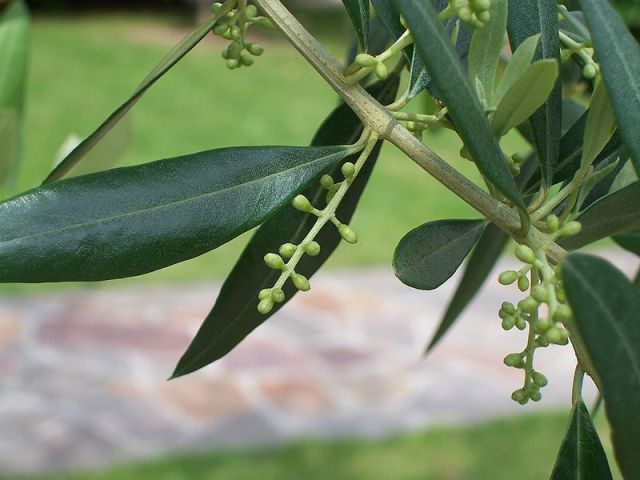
point(465, 14)
point(264, 293)
point(255, 49)
point(246, 60)
point(287, 250)
point(236, 33)
point(539, 379)
point(535, 395)
point(264, 22)
point(562, 313)
point(232, 63)
point(301, 282)
point(216, 6)
point(347, 234)
point(480, 5)
point(483, 17)
point(540, 293)
point(277, 295)
point(521, 396)
point(382, 71)
point(523, 283)
point(541, 325)
point(515, 360)
point(508, 307)
point(273, 260)
point(561, 294)
point(251, 11)
point(521, 323)
point(221, 28)
point(570, 229)
point(525, 254)
point(302, 203)
point(326, 181)
point(556, 335)
point(312, 248)
point(553, 223)
point(508, 277)
point(528, 305)
point(265, 305)
point(348, 170)
point(508, 322)
point(365, 60)
point(589, 71)
point(542, 341)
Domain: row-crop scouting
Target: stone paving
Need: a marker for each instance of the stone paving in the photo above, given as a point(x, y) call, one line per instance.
point(83, 373)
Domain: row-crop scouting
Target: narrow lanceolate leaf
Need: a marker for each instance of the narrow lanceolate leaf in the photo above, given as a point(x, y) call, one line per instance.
point(359, 13)
point(600, 126)
point(618, 54)
point(130, 221)
point(532, 17)
point(525, 96)
point(629, 241)
point(486, 45)
point(430, 254)
point(614, 214)
point(484, 257)
point(389, 17)
point(14, 48)
point(581, 456)
point(443, 64)
point(605, 306)
point(234, 315)
point(173, 57)
point(520, 61)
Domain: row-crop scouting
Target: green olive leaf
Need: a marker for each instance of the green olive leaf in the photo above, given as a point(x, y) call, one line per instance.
point(129, 221)
point(358, 11)
point(520, 61)
point(581, 456)
point(430, 254)
point(605, 305)
point(600, 126)
point(533, 17)
point(525, 96)
point(486, 45)
point(618, 55)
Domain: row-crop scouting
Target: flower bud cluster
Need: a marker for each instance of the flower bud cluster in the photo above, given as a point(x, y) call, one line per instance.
point(544, 311)
point(473, 12)
point(289, 254)
point(374, 64)
point(233, 26)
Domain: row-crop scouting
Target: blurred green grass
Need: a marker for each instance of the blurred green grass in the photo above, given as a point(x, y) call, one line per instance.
point(84, 66)
point(521, 447)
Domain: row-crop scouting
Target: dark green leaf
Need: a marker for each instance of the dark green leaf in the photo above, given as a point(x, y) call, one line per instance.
point(14, 49)
point(482, 260)
point(173, 57)
point(619, 58)
point(532, 17)
point(430, 254)
point(571, 113)
point(613, 165)
point(486, 45)
point(581, 456)
point(611, 215)
point(606, 305)
point(599, 127)
point(629, 241)
point(359, 13)
point(389, 17)
point(448, 76)
point(134, 220)
point(234, 314)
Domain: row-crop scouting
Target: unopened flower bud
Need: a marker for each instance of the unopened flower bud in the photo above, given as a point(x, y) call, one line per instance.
point(508, 307)
point(326, 181)
point(528, 305)
point(348, 170)
point(265, 305)
point(508, 322)
point(523, 283)
point(264, 293)
point(515, 360)
point(540, 293)
point(300, 282)
point(300, 202)
point(382, 71)
point(287, 250)
point(541, 325)
point(251, 11)
point(535, 395)
point(562, 313)
point(273, 260)
point(365, 60)
point(570, 229)
point(277, 295)
point(525, 254)
point(520, 396)
point(508, 277)
point(589, 71)
point(556, 335)
point(347, 234)
point(553, 223)
point(255, 49)
point(312, 248)
point(539, 379)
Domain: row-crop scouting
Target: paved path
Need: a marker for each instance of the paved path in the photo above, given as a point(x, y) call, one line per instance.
point(82, 374)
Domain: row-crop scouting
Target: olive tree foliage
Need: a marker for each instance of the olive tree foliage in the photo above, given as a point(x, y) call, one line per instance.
point(570, 86)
